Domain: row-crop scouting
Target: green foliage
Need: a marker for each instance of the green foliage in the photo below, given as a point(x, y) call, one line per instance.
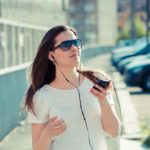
point(140, 29)
point(146, 131)
point(146, 142)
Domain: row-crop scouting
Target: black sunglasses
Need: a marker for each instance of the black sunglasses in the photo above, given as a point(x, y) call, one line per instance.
point(66, 45)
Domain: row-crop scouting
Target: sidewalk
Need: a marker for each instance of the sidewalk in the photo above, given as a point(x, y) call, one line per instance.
point(20, 139)
point(130, 145)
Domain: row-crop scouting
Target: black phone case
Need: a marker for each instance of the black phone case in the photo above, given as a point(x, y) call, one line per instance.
point(103, 83)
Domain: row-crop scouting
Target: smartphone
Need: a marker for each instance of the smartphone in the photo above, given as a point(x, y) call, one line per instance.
point(103, 83)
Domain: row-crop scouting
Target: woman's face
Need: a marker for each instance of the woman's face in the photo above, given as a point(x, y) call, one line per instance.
point(69, 58)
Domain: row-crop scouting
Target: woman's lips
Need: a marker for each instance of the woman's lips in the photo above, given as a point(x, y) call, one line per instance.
point(74, 55)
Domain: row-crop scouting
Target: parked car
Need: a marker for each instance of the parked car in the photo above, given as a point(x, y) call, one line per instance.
point(142, 49)
point(138, 74)
point(125, 42)
point(122, 64)
point(126, 49)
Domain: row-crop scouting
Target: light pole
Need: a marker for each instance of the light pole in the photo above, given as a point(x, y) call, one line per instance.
point(148, 20)
point(132, 19)
point(0, 8)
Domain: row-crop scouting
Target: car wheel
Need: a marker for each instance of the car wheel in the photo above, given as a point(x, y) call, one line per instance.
point(146, 83)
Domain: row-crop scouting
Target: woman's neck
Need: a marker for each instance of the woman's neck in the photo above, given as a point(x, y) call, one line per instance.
point(70, 74)
point(66, 74)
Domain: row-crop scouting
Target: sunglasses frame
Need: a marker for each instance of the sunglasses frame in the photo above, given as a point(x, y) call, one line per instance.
point(61, 44)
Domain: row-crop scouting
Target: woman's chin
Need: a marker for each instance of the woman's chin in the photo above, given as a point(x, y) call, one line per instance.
point(75, 63)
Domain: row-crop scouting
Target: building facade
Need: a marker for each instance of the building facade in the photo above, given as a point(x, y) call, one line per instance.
point(94, 20)
point(37, 12)
point(22, 25)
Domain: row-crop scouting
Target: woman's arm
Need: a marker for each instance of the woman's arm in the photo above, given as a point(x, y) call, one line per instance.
point(39, 140)
point(43, 134)
point(109, 118)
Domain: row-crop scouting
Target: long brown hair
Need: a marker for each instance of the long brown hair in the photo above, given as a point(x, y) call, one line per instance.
point(43, 69)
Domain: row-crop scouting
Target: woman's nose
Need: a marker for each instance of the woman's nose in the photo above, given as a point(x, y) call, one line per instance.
point(74, 47)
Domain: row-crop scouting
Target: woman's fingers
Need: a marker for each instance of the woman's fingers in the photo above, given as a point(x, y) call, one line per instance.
point(100, 88)
point(100, 93)
point(52, 119)
point(54, 127)
point(58, 125)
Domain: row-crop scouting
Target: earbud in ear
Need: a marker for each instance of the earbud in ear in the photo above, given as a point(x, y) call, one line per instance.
point(50, 56)
point(53, 58)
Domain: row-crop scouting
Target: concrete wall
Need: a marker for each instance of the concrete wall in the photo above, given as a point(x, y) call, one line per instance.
point(107, 22)
point(12, 88)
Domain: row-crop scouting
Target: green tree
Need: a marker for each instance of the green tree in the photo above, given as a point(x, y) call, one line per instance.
point(140, 29)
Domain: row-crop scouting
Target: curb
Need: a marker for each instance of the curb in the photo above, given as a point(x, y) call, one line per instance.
point(130, 119)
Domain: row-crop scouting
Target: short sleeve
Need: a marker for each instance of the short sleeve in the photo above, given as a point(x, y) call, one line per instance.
point(110, 98)
point(41, 109)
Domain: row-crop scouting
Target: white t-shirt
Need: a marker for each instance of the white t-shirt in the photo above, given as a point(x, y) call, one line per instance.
point(65, 104)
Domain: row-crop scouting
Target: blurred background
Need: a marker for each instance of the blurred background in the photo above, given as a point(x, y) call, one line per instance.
point(116, 38)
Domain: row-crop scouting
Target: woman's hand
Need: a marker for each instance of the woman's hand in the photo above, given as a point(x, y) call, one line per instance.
point(54, 127)
point(101, 93)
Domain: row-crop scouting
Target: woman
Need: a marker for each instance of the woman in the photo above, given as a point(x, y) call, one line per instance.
point(66, 112)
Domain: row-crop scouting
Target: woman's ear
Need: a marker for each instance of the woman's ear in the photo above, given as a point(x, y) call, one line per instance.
point(50, 56)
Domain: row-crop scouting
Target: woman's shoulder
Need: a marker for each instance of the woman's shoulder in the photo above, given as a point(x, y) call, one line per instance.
point(40, 94)
point(41, 90)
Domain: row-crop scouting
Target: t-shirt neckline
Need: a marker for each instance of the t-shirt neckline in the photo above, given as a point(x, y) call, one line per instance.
point(54, 88)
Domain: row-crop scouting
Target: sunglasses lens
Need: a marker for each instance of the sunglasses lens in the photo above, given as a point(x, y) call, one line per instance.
point(77, 43)
point(66, 45)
